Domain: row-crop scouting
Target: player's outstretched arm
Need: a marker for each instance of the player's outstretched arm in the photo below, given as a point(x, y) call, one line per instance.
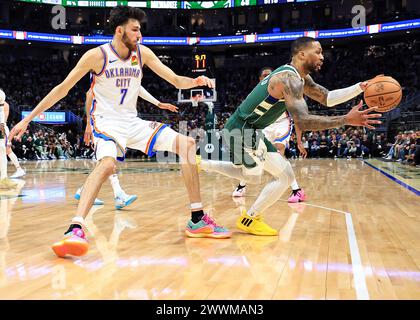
point(180, 82)
point(87, 137)
point(289, 86)
point(91, 60)
point(6, 112)
point(299, 141)
point(144, 94)
point(334, 97)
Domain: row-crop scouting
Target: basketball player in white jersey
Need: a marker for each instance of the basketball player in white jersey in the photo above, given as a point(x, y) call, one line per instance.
point(117, 69)
point(5, 148)
point(121, 198)
point(279, 134)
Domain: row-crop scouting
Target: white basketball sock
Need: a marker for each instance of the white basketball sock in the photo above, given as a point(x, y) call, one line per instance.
point(14, 160)
point(115, 183)
point(294, 185)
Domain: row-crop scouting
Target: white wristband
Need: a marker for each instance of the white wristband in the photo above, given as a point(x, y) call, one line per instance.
point(1, 114)
point(144, 94)
point(342, 95)
point(2, 97)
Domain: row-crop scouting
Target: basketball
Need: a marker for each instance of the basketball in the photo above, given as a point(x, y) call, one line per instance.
point(383, 92)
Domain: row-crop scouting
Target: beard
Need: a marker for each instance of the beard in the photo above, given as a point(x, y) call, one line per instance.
point(127, 43)
point(310, 68)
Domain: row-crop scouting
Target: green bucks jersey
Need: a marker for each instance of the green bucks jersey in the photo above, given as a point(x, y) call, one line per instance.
point(259, 109)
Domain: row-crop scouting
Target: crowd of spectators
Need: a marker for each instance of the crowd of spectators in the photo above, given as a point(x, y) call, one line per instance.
point(405, 149)
point(42, 144)
point(353, 143)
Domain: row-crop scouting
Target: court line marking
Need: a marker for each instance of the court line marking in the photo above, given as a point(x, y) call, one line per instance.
point(386, 174)
point(356, 262)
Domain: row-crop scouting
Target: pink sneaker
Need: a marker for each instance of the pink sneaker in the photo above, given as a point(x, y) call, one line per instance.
point(74, 243)
point(297, 196)
point(239, 192)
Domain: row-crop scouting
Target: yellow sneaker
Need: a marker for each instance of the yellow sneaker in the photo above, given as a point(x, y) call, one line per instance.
point(198, 161)
point(254, 225)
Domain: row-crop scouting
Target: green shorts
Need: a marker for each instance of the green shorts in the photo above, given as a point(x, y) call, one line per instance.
point(241, 139)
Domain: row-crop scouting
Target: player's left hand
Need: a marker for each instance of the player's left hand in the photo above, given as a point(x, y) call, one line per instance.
point(204, 81)
point(18, 130)
point(168, 106)
point(88, 136)
point(364, 84)
point(302, 150)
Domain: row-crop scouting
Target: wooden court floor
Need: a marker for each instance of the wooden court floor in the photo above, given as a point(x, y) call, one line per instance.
point(357, 237)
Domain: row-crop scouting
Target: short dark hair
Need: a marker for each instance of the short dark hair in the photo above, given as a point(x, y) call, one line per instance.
point(299, 44)
point(262, 69)
point(121, 14)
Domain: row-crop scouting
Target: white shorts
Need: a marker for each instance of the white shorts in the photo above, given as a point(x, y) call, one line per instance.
point(280, 131)
point(113, 136)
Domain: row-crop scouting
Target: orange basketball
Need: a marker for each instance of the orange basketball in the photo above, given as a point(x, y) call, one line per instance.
point(383, 92)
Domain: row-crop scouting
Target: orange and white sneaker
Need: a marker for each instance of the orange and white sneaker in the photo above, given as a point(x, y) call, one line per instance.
point(74, 244)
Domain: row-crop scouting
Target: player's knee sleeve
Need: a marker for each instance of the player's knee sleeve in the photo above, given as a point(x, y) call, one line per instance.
point(279, 167)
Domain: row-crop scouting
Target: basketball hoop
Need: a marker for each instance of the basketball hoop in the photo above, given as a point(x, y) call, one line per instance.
point(195, 99)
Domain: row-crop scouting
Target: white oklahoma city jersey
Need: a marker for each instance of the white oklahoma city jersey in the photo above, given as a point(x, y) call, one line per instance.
point(116, 88)
point(114, 110)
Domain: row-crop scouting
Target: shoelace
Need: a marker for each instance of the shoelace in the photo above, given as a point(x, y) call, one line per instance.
point(210, 220)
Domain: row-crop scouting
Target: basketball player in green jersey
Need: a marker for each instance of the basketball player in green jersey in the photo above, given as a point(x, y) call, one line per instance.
point(279, 134)
point(282, 90)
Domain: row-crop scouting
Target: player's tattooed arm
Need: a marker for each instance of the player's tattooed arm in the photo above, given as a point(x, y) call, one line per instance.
point(315, 91)
point(290, 87)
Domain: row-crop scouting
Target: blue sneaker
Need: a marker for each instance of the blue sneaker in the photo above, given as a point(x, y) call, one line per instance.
point(97, 202)
point(123, 200)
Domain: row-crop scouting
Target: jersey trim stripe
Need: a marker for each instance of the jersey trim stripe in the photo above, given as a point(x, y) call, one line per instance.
point(260, 108)
point(107, 137)
point(153, 138)
point(105, 63)
point(287, 134)
point(118, 56)
point(271, 100)
point(139, 55)
point(265, 105)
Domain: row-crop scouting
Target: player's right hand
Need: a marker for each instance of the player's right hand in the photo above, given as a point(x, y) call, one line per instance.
point(302, 150)
point(365, 84)
point(204, 81)
point(167, 106)
point(357, 117)
point(88, 136)
point(18, 130)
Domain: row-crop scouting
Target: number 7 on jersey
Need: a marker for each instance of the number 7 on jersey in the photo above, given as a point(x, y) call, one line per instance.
point(124, 93)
